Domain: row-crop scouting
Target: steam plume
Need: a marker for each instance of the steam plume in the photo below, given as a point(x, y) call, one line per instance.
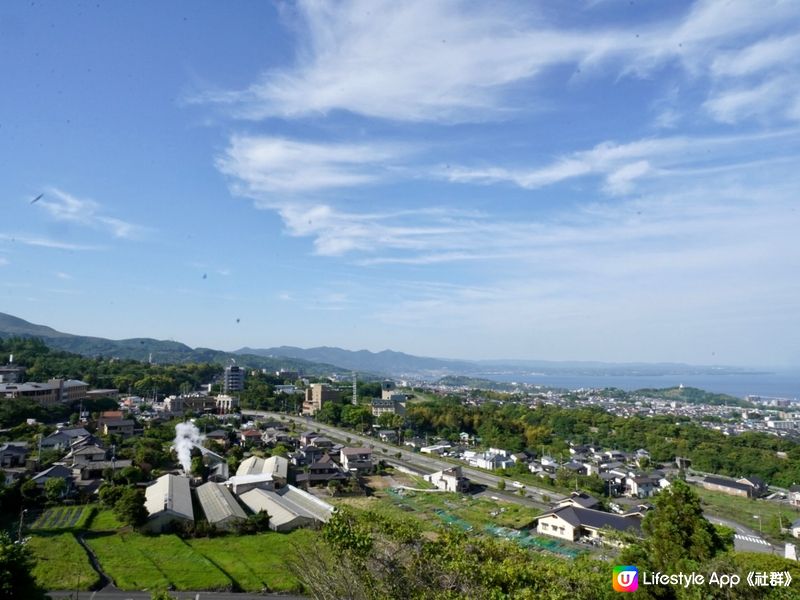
point(187, 436)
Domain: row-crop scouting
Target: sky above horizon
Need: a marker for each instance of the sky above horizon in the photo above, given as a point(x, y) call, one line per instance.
point(602, 180)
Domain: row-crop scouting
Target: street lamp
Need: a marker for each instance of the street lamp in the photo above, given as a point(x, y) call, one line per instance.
point(22, 514)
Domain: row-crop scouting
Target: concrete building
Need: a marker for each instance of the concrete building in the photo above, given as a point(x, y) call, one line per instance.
point(395, 405)
point(316, 396)
point(12, 373)
point(226, 403)
point(53, 392)
point(168, 500)
point(233, 379)
point(220, 507)
point(388, 389)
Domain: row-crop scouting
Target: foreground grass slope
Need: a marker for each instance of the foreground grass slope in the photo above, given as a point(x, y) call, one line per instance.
point(61, 563)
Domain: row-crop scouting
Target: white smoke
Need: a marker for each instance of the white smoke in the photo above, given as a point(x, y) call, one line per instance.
point(187, 436)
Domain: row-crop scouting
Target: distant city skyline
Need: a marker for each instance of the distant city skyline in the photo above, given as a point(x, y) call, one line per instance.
point(605, 181)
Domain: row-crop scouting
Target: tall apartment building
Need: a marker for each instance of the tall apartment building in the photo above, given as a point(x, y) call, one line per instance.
point(317, 395)
point(233, 379)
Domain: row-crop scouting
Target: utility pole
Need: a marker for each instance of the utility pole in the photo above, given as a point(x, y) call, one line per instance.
point(355, 392)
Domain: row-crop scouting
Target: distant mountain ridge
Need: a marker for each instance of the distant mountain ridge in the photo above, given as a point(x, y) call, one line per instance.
point(161, 351)
point(387, 361)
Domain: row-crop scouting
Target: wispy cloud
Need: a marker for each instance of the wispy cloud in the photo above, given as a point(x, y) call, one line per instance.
point(266, 165)
point(621, 165)
point(62, 275)
point(43, 242)
point(66, 207)
point(457, 61)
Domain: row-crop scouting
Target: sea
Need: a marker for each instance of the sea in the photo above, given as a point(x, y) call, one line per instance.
point(778, 384)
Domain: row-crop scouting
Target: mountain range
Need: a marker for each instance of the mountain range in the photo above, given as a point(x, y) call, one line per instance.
point(326, 360)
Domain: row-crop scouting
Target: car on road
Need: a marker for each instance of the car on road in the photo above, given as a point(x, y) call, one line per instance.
point(517, 484)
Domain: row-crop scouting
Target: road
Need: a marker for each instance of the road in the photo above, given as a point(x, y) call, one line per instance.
point(745, 539)
point(112, 593)
point(423, 462)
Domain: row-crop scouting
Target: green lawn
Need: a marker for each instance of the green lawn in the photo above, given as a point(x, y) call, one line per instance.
point(256, 562)
point(138, 562)
point(104, 520)
point(743, 510)
point(61, 563)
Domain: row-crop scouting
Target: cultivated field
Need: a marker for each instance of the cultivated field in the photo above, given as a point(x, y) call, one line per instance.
point(63, 517)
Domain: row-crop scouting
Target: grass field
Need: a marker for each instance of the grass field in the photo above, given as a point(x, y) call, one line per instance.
point(743, 510)
point(137, 562)
point(250, 563)
point(61, 563)
point(63, 517)
point(256, 562)
point(104, 520)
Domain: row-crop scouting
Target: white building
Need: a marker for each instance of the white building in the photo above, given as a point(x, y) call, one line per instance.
point(449, 480)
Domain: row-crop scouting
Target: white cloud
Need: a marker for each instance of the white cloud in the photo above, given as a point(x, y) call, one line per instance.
point(265, 165)
point(621, 165)
point(43, 242)
point(68, 208)
point(768, 99)
point(62, 275)
point(780, 52)
point(458, 61)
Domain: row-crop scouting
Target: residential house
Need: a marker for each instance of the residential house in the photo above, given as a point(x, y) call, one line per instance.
point(307, 438)
point(492, 461)
point(56, 471)
point(220, 507)
point(219, 436)
point(357, 460)
point(121, 427)
point(387, 435)
point(574, 523)
point(794, 495)
point(795, 529)
point(250, 437)
point(321, 472)
point(62, 438)
point(12, 454)
point(168, 501)
point(641, 486)
point(581, 500)
point(449, 480)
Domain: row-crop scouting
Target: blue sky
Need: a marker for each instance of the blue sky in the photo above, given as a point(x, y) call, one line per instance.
point(606, 180)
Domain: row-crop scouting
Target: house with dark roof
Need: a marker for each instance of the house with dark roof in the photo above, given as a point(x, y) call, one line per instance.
point(574, 523)
point(730, 487)
point(321, 472)
point(12, 454)
point(580, 499)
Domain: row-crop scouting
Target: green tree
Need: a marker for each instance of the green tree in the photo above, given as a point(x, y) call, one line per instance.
point(16, 566)
point(130, 508)
point(55, 489)
point(677, 535)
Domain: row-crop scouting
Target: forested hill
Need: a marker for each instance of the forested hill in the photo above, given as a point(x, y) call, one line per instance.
point(161, 351)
